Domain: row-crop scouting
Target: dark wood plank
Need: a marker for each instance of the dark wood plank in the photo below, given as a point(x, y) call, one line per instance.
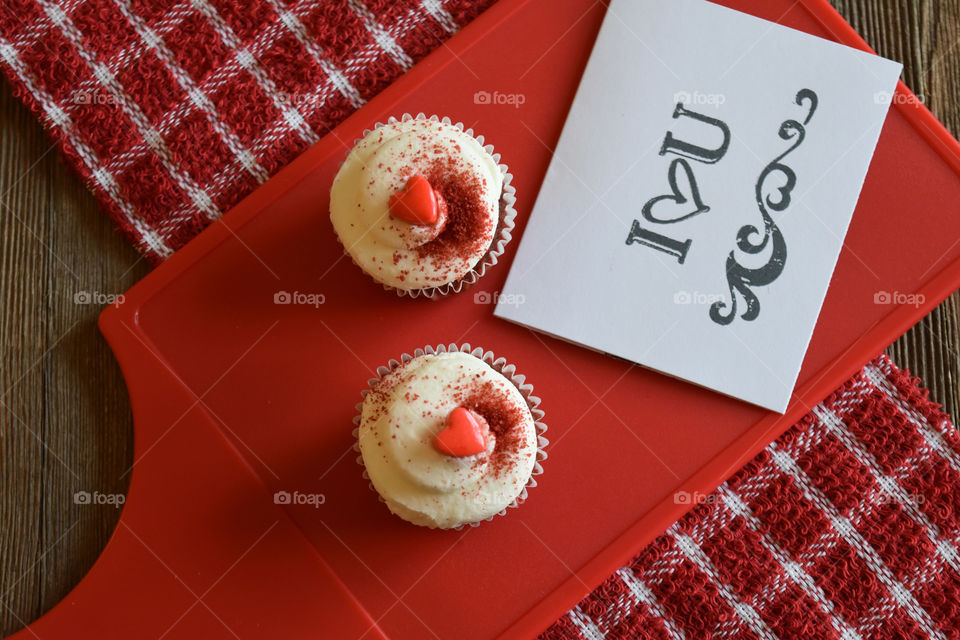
point(65, 421)
point(22, 227)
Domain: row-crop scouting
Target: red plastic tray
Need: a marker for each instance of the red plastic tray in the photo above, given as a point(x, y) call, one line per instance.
point(235, 398)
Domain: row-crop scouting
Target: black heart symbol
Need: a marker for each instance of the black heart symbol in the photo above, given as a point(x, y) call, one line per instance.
point(677, 196)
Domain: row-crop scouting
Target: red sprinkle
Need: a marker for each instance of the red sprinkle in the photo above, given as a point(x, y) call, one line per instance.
point(504, 418)
point(468, 226)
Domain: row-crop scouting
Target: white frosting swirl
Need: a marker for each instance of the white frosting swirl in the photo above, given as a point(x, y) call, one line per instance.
point(394, 252)
point(400, 419)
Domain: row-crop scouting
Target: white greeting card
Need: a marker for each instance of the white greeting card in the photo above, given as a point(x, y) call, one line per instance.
point(698, 198)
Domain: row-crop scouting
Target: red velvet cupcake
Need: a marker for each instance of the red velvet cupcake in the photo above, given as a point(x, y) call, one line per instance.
point(422, 206)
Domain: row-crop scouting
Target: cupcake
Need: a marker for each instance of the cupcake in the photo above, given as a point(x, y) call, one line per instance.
point(450, 438)
point(422, 206)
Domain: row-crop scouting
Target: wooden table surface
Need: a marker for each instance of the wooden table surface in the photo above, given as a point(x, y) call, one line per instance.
point(65, 423)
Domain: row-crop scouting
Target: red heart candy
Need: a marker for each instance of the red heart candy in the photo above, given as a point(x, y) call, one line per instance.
point(416, 204)
point(465, 434)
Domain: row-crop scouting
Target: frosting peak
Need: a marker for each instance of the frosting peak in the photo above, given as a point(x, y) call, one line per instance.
point(394, 251)
point(406, 410)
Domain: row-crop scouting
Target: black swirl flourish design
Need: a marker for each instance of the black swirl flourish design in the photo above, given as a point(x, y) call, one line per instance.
point(752, 239)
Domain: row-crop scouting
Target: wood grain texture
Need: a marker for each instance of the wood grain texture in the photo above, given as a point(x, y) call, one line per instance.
point(65, 422)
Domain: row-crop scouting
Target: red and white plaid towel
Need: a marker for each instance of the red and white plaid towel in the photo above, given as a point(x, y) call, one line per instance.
point(847, 527)
point(172, 112)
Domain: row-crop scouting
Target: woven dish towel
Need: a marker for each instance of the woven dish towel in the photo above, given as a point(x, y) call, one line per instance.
point(848, 527)
point(172, 112)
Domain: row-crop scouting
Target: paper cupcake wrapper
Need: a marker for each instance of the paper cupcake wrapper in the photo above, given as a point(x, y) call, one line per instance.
point(501, 236)
point(499, 365)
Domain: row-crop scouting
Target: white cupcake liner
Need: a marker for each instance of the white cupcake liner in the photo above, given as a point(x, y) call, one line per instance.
point(502, 235)
point(499, 365)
